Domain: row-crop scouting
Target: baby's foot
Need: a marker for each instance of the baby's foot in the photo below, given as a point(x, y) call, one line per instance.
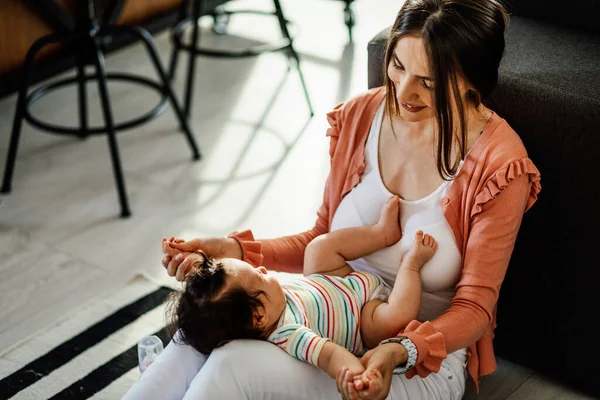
point(421, 251)
point(389, 224)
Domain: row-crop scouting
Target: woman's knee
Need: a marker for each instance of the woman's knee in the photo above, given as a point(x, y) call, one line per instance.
point(248, 368)
point(245, 358)
point(233, 371)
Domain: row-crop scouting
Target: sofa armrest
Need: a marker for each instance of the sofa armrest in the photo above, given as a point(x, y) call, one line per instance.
point(376, 51)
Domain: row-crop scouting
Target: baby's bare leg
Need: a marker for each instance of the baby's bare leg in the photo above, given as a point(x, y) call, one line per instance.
point(328, 253)
point(381, 320)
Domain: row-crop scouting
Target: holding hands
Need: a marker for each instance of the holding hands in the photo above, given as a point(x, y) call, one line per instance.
point(179, 258)
point(368, 385)
point(375, 382)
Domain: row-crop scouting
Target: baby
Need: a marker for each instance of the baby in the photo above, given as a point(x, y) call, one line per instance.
point(327, 318)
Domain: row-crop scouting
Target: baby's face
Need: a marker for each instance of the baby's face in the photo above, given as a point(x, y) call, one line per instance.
point(257, 279)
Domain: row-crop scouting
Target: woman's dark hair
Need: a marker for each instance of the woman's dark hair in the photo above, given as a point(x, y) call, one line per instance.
point(206, 315)
point(462, 38)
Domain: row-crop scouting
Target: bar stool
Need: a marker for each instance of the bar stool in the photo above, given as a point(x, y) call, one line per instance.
point(87, 40)
point(199, 8)
point(349, 18)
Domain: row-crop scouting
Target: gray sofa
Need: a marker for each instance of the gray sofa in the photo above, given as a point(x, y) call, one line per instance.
point(549, 92)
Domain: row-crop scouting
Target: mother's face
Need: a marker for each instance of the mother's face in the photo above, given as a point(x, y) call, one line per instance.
point(409, 72)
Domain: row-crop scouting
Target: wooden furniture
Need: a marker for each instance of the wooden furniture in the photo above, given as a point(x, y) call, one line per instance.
point(21, 25)
point(85, 36)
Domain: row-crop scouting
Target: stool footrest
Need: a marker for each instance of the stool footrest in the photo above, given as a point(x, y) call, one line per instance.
point(66, 130)
point(253, 51)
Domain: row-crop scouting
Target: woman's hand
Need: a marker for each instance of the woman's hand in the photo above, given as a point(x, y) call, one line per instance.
point(376, 381)
point(353, 386)
point(176, 252)
point(193, 261)
point(345, 384)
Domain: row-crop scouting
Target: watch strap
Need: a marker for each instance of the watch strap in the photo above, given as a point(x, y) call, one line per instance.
point(411, 350)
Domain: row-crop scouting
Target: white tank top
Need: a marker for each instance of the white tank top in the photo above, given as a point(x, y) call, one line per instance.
point(362, 206)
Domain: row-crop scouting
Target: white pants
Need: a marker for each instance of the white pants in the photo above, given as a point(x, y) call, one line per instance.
point(251, 369)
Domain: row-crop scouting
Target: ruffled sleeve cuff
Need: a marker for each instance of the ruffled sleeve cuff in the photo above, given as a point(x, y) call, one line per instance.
point(431, 348)
point(251, 249)
point(501, 178)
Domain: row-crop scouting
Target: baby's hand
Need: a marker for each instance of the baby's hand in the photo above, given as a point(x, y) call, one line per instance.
point(169, 250)
point(369, 380)
point(347, 381)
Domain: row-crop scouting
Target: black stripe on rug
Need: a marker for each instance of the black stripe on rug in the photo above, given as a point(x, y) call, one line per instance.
point(102, 376)
point(65, 352)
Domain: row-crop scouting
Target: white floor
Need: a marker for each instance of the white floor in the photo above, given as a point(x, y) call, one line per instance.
point(61, 240)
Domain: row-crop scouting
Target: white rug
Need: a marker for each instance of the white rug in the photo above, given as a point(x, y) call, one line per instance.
point(89, 354)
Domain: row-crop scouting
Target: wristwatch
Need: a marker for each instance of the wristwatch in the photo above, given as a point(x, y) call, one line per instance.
point(411, 350)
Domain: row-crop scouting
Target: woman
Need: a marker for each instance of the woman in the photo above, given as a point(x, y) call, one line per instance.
point(462, 175)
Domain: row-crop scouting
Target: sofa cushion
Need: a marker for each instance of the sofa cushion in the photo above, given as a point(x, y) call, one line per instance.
point(577, 14)
point(549, 92)
point(376, 53)
point(538, 54)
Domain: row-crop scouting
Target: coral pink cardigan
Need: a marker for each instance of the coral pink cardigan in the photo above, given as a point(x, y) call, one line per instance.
point(484, 208)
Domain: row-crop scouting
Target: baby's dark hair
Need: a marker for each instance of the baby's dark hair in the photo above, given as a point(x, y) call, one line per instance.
point(206, 315)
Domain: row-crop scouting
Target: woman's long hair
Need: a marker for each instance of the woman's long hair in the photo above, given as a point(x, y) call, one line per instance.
point(462, 38)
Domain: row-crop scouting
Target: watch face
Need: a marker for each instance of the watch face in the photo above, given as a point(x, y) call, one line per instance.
point(396, 339)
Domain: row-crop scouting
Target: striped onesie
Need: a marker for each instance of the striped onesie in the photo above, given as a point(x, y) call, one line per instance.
point(321, 308)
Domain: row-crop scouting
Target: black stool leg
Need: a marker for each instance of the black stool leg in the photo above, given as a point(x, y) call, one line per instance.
point(20, 110)
point(111, 133)
point(292, 51)
point(220, 20)
point(176, 49)
point(349, 18)
point(147, 39)
point(197, 7)
point(82, 92)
